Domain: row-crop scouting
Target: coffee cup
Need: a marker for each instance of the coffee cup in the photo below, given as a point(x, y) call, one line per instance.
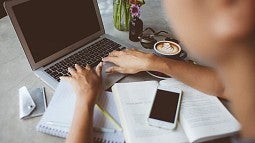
point(169, 49)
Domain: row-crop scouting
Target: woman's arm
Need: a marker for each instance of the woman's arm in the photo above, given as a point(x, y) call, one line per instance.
point(200, 77)
point(82, 125)
point(87, 84)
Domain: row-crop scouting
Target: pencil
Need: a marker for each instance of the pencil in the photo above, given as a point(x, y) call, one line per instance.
point(107, 115)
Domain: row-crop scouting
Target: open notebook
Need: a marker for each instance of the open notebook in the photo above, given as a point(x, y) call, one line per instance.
point(61, 110)
point(202, 117)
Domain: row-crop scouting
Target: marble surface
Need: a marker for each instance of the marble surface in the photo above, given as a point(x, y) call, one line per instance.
point(15, 72)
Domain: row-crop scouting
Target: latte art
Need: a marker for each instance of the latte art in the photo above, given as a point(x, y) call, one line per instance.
point(167, 48)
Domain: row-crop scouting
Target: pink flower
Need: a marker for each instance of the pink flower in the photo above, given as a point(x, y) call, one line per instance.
point(135, 10)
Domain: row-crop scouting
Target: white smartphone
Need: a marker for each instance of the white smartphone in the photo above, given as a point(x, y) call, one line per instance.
point(165, 108)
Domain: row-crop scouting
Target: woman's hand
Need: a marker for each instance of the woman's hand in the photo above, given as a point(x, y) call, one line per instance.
point(128, 61)
point(86, 82)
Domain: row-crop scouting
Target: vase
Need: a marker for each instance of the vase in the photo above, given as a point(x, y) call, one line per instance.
point(136, 28)
point(121, 14)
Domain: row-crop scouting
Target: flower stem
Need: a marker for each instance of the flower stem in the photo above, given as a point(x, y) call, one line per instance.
point(121, 14)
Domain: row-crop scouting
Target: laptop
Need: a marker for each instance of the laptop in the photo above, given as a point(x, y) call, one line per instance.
point(56, 34)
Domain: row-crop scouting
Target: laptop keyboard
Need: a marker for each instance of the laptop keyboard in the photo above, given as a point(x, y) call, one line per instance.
point(91, 55)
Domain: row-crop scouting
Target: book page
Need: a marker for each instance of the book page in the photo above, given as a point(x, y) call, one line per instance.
point(134, 101)
point(203, 116)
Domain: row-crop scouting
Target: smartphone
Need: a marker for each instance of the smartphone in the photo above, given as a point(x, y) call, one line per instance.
point(39, 97)
point(165, 108)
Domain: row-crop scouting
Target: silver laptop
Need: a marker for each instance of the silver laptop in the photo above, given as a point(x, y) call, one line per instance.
point(56, 34)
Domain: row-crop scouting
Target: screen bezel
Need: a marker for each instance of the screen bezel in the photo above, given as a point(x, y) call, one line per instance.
point(161, 123)
point(35, 65)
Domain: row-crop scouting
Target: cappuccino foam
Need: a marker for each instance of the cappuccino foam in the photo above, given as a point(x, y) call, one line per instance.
point(167, 48)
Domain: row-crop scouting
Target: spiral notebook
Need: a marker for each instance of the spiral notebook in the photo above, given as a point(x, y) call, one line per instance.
point(61, 110)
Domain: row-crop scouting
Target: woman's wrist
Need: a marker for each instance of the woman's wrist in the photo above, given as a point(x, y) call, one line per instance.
point(83, 101)
point(150, 60)
point(82, 105)
point(155, 63)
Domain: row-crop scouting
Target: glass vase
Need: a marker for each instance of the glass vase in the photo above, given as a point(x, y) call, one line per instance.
point(121, 14)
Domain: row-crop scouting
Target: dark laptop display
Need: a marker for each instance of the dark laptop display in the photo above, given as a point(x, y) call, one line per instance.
point(49, 27)
point(57, 34)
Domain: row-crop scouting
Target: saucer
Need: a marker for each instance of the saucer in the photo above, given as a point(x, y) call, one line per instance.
point(158, 75)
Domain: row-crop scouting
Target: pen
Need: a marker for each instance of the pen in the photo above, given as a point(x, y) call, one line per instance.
point(96, 129)
point(107, 115)
point(104, 130)
point(44, 97)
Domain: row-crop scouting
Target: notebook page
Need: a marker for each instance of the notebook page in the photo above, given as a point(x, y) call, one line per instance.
point(202, 116)
point(134, 101)
point(107, 102)
point(61, 110)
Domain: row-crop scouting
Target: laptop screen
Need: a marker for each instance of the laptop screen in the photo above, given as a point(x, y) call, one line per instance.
point(49, 26)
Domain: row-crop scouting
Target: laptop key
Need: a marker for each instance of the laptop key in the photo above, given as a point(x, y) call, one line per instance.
point(89, 62)
point(95, 63)
point(65, 67)
point(59, 70)
point(91, 55)
point(47, 70)
point(69, 65)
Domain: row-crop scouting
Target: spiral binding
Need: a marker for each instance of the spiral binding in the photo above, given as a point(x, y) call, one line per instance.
point(100, 140)
point(51, 131)
point(63, 134)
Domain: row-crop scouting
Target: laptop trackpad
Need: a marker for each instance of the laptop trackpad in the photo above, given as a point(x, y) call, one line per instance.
point(110, 79)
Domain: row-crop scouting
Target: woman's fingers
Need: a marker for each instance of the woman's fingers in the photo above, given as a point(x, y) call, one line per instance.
point(72, 71)
point(110, 59)
point(114, 69)
point(66, 78)
point(88, 67)
point(99, 69)
point(78, 68)
point(130, 49)
point(116, 53)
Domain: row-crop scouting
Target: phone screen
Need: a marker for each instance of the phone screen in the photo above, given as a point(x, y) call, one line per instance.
point(165, 106)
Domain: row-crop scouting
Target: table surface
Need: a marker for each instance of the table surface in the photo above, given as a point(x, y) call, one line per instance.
point(15, 72)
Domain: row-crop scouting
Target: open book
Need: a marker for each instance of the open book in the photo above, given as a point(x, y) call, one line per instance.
point(202, 117)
